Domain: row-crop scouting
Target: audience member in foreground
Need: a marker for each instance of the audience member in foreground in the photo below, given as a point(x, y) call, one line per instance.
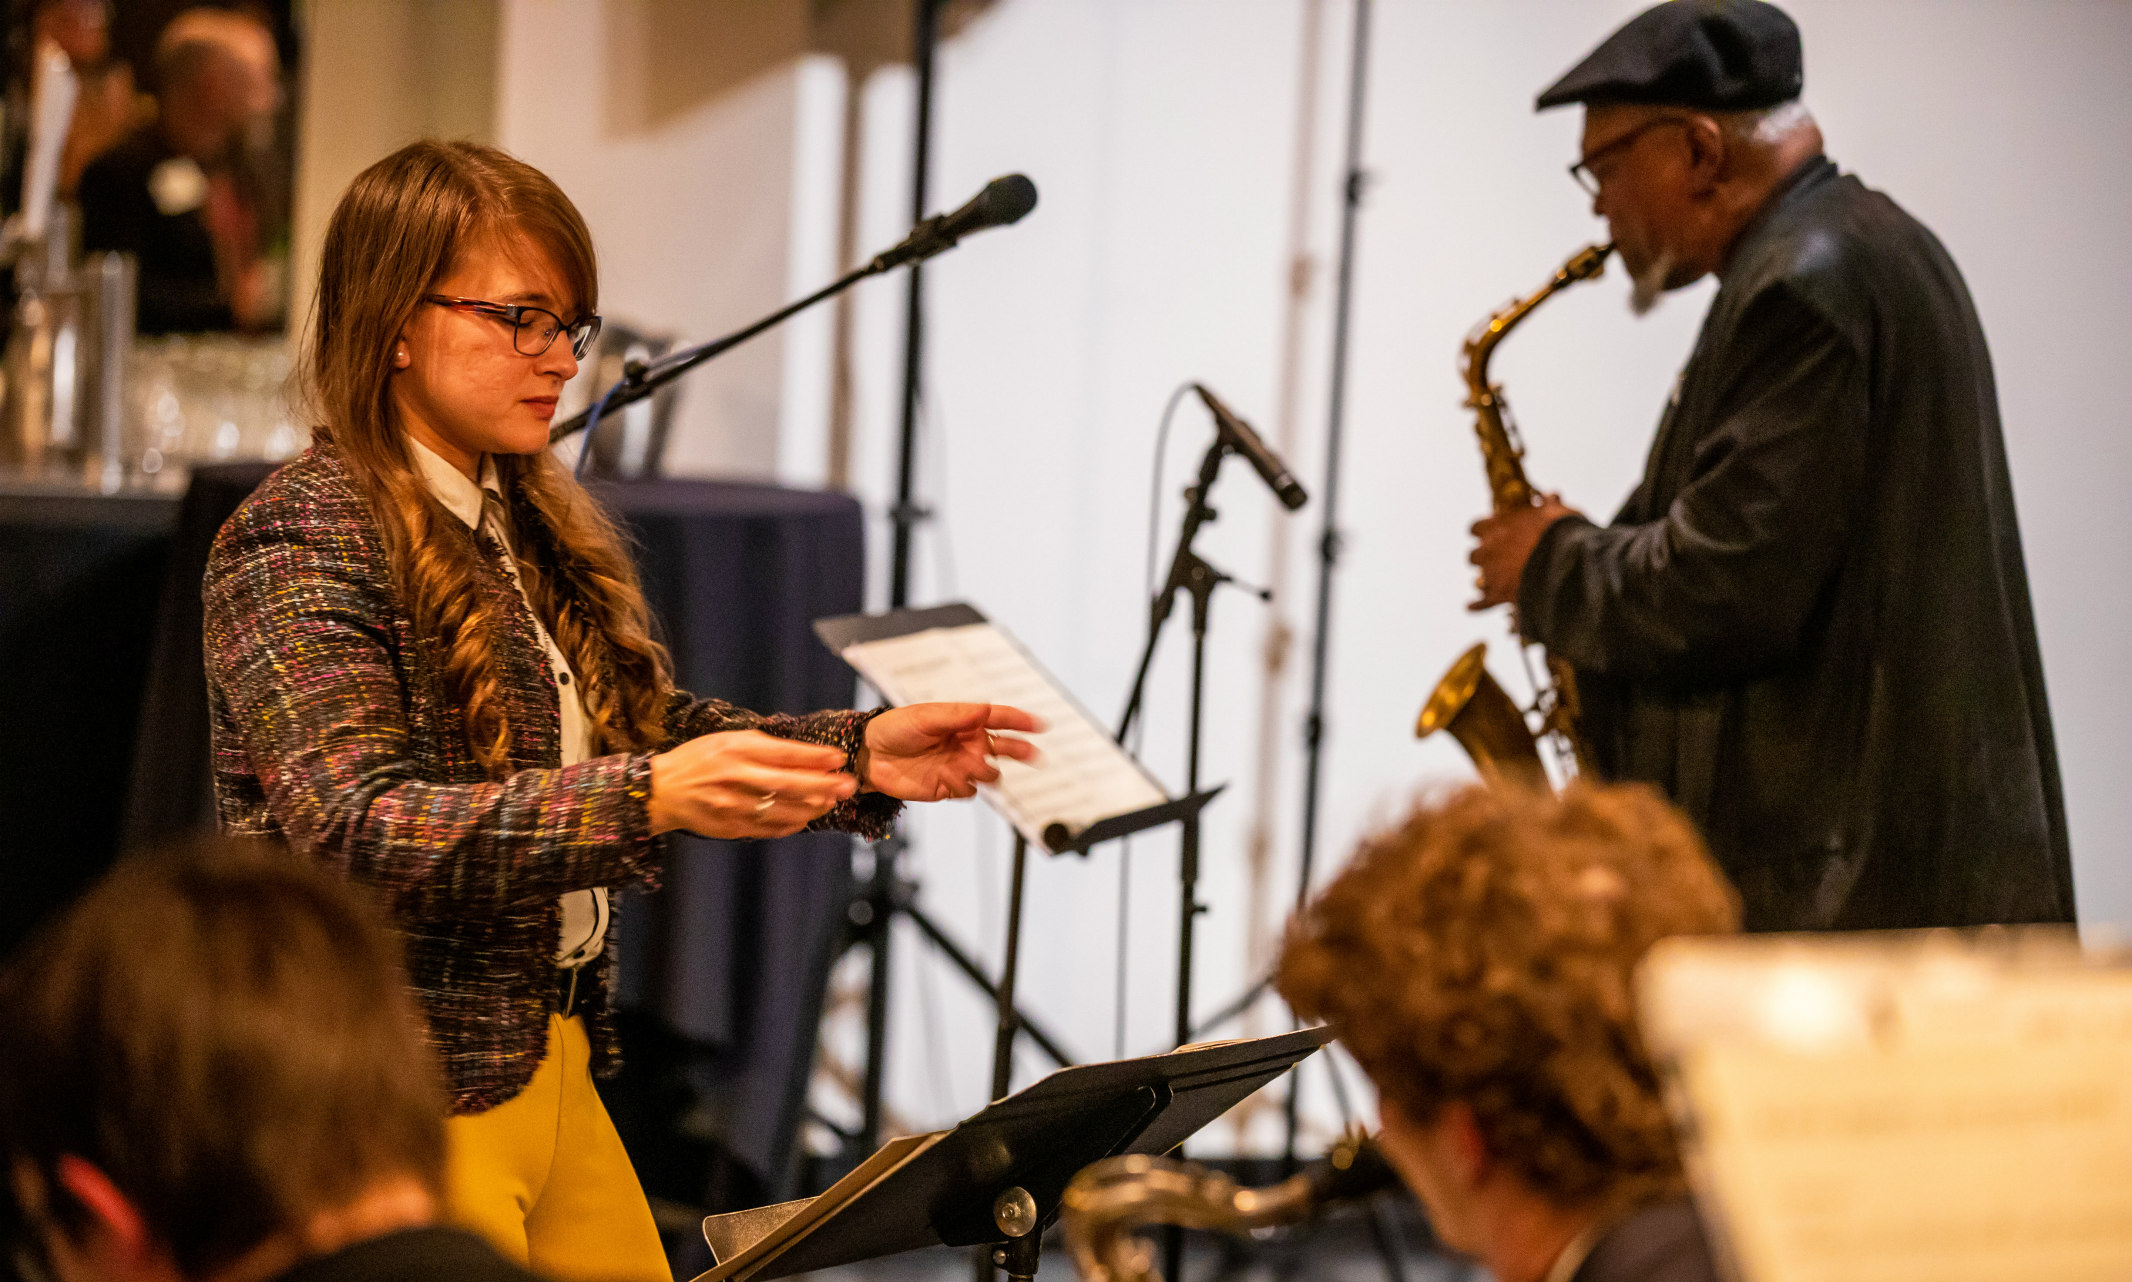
point(1477, 962)
point(210, 1069)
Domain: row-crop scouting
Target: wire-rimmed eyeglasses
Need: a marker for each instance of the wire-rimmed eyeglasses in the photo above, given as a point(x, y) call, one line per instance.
point(533, 329)
point(1581, 171)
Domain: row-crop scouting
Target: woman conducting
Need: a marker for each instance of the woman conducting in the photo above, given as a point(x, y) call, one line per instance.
point(430, 664)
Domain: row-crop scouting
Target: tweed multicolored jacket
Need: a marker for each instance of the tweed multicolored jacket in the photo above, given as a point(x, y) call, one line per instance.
point(332, 733)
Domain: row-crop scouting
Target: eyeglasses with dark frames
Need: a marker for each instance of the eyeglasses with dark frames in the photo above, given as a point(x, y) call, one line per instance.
point(533, 329)
point(1581, 171)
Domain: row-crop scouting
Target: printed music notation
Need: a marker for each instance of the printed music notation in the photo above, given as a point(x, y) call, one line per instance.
point(1083, 775)
point(1905, 1107)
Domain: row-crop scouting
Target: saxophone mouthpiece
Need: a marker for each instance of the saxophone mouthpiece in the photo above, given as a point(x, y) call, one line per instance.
point(1588, 261)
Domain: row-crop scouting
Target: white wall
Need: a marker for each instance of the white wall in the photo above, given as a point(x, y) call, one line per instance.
point(1158, 140)
point(705, 197)
point(1160, 134)
point(378, 74)
point(704, 147)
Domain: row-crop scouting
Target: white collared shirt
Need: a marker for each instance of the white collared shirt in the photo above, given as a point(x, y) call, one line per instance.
point(585, 912)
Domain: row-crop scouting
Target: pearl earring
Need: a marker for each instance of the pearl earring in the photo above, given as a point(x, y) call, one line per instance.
point(399, 358)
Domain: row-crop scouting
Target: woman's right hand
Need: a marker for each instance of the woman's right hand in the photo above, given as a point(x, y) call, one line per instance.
point(744, 783)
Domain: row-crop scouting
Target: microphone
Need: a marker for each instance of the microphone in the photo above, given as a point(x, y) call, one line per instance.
point(1263, 460)
point(1004, 200)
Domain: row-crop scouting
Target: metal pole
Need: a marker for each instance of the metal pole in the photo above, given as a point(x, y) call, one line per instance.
point(1202, 583)
point(904, 515)
point(1329, 540)
point(986, 1259)
point(1009, 1018)
point(1188, 862)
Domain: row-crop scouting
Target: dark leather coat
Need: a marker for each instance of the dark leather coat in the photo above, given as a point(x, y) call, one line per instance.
point(1810, 623)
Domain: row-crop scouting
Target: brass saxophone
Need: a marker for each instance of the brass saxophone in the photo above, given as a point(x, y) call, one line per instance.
point(1111, 1199)
point(1502, 738)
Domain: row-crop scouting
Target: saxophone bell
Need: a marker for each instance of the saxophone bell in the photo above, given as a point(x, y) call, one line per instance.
point(1470, 704)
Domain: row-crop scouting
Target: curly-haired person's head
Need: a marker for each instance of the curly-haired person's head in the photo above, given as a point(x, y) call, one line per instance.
point(1481, 954)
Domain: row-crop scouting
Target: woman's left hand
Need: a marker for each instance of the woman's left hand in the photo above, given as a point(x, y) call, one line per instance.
point(933, 751)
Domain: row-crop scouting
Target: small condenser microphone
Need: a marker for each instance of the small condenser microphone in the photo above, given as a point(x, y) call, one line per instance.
point(1004, 200)
point(1247, 443)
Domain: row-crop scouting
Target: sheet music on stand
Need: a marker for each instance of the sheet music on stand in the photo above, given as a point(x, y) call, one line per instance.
point(953, 653)
point(1906, 1106)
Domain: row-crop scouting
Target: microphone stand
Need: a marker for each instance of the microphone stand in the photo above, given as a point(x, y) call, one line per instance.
point(1190, 573)
point(887, 893)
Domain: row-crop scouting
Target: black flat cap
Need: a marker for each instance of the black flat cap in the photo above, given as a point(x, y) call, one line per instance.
point(1712, 55)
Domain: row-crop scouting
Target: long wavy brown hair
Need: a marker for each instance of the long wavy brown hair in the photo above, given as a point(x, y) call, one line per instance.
point(394, 236)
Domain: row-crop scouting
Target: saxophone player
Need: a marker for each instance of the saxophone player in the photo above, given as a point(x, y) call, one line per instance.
point(1477, 962)
point(1810, 623)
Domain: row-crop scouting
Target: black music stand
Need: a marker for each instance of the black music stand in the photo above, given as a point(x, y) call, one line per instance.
point(997, 1178)
point(1058, 838)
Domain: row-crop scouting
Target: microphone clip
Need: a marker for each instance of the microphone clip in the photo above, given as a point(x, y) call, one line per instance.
point(926, 240)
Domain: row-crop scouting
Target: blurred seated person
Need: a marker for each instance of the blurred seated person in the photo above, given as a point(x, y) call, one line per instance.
point(107, 107)
point(178, 193)
point(210, 1069)
point(1477, 961)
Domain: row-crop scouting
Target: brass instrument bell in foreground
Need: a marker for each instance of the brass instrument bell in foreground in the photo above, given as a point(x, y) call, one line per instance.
point(1110, 1201)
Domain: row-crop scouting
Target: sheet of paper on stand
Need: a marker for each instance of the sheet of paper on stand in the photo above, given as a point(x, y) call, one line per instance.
point(1083, 776)
point(1902, 1107)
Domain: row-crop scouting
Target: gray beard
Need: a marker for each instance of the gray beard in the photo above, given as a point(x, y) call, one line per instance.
point(1649, 285)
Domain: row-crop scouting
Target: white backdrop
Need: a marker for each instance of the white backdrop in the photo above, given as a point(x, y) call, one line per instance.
point(1161, 133)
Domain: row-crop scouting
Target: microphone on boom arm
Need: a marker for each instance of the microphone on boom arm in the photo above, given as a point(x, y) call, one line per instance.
point(1003, 201)
point(1263, 460)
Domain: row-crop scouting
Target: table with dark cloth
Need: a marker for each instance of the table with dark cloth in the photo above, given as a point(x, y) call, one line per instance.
point(79, 579)
point(723, 970)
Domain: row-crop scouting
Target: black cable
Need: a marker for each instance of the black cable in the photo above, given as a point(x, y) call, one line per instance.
point(1154, 492)
point(1147, 591)
point(592, 427)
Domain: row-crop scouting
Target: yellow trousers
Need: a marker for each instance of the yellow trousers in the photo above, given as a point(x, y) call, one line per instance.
point(544, 1178)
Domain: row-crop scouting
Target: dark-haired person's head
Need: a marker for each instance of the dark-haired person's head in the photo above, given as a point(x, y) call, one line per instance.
point(1477, 961)
point(210, 1068)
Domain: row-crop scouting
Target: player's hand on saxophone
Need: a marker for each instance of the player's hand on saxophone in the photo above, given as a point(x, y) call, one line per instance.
point(1504, 541)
